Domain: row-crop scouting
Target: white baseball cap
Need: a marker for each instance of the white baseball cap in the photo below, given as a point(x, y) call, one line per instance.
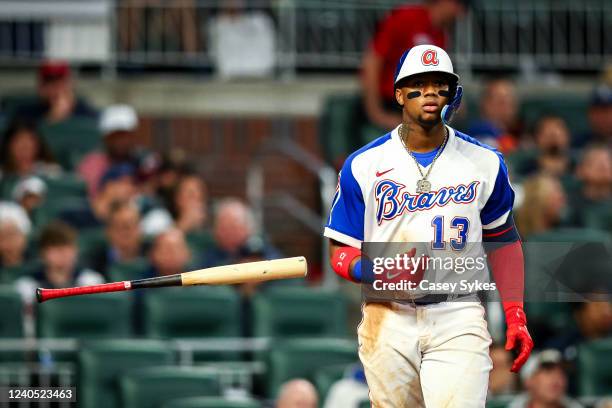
point(30, 185)
point(421, 59)
point(549, 357)
point(118, 118)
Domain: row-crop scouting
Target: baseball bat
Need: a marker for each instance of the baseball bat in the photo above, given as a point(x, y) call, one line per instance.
point(284, 268)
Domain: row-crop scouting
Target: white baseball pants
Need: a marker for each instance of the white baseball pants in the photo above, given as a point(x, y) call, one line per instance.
point(433, 356)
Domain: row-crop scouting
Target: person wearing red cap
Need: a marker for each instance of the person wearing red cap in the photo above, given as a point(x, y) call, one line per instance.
point(404, 28)
point(57, 100)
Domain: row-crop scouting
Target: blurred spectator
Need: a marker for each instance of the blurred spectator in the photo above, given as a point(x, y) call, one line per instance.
point(242, 41)
point(600, 117)
point(594, 171)
point(60, 269)
point(30, 193)
point(593, 321)
point(23, 153)
point(551, 153)
point(543, 207)
point(169, 253)
point(189, 205)
point(498, 123)
point(117, 126)
point(117, 184)
point(123, 236)
point(173, 166)
point(14, 230)
point(545, 381)
point(404, 28)
point(57, 100)
point(297, 393)
point(349, 391)
point(158, 25)
point(501, 379)
point(234, 234)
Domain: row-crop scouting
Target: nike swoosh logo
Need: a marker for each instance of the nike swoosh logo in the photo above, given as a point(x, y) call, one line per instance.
point(380, 173)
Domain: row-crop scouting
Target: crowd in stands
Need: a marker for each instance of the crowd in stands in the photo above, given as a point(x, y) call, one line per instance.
point(130, 204)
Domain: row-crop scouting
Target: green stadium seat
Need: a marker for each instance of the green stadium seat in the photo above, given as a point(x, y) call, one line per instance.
point(595, 368)
point(365, 404)
point(301, 358)
point(299, 311)
point(598, 216)
point(192, 312)
point(90, 241)
point(68, 185)
point(571, 107)
point(326, 376)
point(11, 324)
point(132, 270)
point(10, 274)
point(107, 315)
point(71, 139)
point(211, 402)
point(102, 363)
point(500, 402)
point(335, 125)
point(11, 102)
point(546, 255)
point(370, 132)
point(199, 241)
point(153, 386)
point(546, 319)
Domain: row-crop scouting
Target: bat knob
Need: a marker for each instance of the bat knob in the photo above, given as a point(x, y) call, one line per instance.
point(39, 295)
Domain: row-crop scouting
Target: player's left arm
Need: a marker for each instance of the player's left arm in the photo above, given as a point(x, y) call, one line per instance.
point(505, 254)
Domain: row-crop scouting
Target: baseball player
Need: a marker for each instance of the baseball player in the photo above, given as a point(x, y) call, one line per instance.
point(427, 182)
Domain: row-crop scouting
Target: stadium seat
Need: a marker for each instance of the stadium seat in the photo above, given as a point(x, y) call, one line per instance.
point(211, 402)
point(71, 139)
point(68, 185)
point(335, 125)
point(90, 241)
point(11, 324)
point(598, 216)
point(500, 402)
point(153, 386)
point(192, 312)
point(102, 363)
point(299, 311)
point(571, 107)
point(11, 102)
point(595, 368)
point(546, 319)
point(301, 358)
point(326, 376)
point(105, 315)
point(550, 272)
point(365, 404)
point(132, 270)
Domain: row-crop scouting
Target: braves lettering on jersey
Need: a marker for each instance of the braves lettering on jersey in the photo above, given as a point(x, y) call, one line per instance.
point(376, 200)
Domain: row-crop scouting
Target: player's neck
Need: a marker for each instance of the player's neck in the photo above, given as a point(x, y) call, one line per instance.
point(422, 140)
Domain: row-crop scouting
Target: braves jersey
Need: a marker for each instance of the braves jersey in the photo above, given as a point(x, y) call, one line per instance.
point(470, 200)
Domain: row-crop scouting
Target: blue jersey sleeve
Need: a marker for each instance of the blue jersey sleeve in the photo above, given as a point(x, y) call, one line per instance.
point(496, 216)
point(346, 218)
point(501, 200)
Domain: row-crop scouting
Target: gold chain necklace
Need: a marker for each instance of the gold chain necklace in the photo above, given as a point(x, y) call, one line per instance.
point(423, 185)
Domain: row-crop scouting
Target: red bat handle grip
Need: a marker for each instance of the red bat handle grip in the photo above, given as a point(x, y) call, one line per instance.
point(46, 294)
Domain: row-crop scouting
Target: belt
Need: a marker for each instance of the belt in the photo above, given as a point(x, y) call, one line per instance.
point(440, 297)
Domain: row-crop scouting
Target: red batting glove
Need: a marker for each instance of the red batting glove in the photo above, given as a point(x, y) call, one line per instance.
point(516, 322)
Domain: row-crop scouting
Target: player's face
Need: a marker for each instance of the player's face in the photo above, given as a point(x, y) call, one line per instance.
point(427, 106)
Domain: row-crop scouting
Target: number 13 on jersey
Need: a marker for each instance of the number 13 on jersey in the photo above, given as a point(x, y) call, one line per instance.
point(461, 224)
